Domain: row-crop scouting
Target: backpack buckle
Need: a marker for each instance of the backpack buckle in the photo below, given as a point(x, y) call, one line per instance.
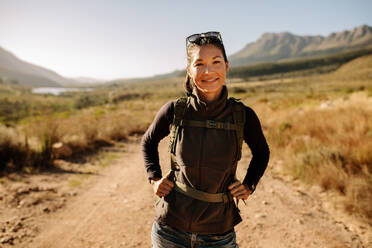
point(211, 124)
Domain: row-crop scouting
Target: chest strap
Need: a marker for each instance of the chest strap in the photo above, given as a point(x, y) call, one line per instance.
point(201, 195)
point(210, 124)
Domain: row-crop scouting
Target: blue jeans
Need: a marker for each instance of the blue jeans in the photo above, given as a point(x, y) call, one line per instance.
point(165, 236)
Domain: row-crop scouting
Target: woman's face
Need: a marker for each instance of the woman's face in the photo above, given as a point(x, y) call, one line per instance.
point(208, 70)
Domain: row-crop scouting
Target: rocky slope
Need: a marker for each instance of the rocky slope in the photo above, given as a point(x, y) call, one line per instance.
point(279, 46)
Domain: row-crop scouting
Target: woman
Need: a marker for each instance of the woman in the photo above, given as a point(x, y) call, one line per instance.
point(196, 206)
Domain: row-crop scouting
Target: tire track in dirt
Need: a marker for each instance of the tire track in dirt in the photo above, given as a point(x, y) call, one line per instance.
point(117, 211)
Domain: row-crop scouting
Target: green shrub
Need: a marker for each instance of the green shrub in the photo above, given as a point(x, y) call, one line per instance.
point(238, 90)
point(89, 100)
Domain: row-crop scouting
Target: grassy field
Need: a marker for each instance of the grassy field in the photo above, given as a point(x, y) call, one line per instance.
point(318, 127)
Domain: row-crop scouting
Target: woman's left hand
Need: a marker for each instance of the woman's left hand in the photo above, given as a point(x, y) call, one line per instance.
point(239, 190)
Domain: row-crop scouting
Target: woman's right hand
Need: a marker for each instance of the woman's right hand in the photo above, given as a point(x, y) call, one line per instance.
point(162, 186)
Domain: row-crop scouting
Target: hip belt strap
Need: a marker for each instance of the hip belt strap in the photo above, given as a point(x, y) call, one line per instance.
point(200, 195)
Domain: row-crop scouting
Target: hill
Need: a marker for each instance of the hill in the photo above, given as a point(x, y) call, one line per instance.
point(24, 73)
point(279, 46)
point(360, 68)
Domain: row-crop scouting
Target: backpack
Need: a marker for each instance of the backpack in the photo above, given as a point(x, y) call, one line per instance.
point(180, 108)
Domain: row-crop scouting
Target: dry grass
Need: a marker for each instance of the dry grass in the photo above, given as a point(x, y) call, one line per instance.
point(328, 145)
point(30, 143)
point(92, 128)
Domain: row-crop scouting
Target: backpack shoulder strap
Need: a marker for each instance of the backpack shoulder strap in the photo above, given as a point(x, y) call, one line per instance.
point(180, 106)
point(239, 121)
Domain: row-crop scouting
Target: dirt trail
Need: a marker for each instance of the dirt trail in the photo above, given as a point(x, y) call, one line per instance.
point(116, 210)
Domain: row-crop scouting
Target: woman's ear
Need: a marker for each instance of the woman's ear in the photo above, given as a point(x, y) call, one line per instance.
point(227, 65)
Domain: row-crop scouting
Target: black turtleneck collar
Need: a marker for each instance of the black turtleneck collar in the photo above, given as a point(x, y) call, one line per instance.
point(209, 109)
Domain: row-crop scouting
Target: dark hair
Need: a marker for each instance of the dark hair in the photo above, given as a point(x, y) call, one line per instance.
point(188, 85)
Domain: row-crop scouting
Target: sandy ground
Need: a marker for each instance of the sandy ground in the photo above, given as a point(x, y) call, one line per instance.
point(113, 207)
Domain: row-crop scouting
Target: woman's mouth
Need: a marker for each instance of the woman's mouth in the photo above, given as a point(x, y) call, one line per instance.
point(210, 80)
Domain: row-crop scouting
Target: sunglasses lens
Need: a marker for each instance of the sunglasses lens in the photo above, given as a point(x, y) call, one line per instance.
point(195, 37)
point(213, 34)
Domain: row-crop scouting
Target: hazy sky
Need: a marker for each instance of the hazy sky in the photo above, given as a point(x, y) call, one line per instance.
point(114, 39)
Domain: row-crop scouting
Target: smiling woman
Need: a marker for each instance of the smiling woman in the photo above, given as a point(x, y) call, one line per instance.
point(196, 204)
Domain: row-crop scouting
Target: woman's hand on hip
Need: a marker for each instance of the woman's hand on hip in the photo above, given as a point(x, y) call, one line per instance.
point(162, 186)
point(239, 190)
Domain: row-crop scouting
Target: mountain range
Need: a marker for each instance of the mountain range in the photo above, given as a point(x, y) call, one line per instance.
point(270, 47)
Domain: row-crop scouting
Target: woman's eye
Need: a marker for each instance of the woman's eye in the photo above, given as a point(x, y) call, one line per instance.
point(199, 64)
point(216, 62)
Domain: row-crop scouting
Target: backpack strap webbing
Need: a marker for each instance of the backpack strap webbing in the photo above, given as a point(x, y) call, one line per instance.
point(210, 124)
point(180, 107)
point(239, 121)
point(201, 195)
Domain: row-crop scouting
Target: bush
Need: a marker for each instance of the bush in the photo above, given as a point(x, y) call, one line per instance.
point(11, 111)
point(89, 100)
point(238, 90)
point(14, 152)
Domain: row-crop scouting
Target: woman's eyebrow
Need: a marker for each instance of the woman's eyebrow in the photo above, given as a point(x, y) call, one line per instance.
point(218, 56)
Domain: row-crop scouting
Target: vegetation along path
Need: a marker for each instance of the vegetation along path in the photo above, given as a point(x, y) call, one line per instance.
point(116, 210)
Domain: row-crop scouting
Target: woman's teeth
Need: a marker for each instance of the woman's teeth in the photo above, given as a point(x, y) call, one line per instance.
point(210, 80)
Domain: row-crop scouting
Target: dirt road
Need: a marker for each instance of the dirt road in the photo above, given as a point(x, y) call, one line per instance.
point(116, 210)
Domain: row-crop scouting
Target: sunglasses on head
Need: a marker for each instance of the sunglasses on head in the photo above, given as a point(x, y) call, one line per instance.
point(196, 37)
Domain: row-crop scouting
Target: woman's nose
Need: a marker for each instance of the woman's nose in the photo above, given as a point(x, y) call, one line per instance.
point(207, 69)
